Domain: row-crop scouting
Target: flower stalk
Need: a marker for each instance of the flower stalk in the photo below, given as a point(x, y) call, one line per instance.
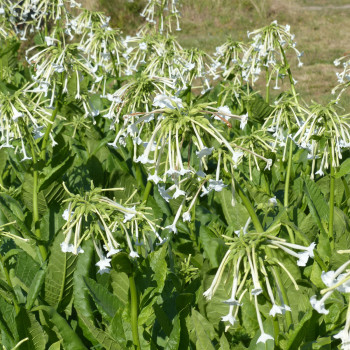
point(134, 312)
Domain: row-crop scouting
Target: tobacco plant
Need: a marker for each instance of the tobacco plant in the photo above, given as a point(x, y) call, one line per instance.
point(151, 197)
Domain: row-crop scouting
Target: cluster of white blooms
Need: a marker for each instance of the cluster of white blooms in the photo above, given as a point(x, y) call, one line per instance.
point(268, 51)
point(19, 114)
point(160, 14)
point(324, 122)
point(335, 280)
point(247, 255)
point(94, 216)
point(343, 77)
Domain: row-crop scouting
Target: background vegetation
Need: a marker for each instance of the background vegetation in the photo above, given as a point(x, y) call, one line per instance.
point(319, 27)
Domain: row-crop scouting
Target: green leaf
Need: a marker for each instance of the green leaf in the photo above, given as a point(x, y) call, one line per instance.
point(236, 215)
point(213, 246)
point(296, 336)
point(120, 285)
point(174, 338)
point(158, 264)
point(56, 173)
point(121, 263)
point(8, 318)
point(35, 287)
point(59, 276)
point(204, 331)
point(26, 268)
point(224, 344)
point(27, 195)
point(260, 110)
point(344, 169)
point(106, 302)
point(29, 327)
point(96, 335)
point(116, 328)
point(70, 340)
point(55, 346)
point(11, 217)
point(314, 193)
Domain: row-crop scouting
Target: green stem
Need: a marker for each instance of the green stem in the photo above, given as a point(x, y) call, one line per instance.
point(52, 119)
point(290, 77)
point(36, 217)
point(133, 313)
point(289, 169)
point(289, 319)
point(147, 191)
point(267, 96)
point(116, 73)
point(138, 175)
point(249, 206)
point(331, 206)
point(189, 94)
point(276, 330)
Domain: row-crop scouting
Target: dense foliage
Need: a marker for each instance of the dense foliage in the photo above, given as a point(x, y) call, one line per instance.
point(152, 198)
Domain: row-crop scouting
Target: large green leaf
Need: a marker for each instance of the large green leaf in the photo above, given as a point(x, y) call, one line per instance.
point(26, 268)
point(159, 268)
point(59, 277)
point(314, 193)
point(174, 338)
point(204, 331)
point(120, 285)
point(8, 318)
point(70, 340)
point(29, 327)
point(106, 302)
point(99, 336)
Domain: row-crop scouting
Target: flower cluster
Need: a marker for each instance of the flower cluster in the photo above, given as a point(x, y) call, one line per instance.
point(254, 266)
point(99, 218)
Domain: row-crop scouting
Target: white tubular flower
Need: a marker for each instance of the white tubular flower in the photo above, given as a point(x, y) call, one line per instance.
point(104, 265)
point(208, 294)
point(252, 263)
point(229, 317)
point(186, 216)
point(224, 114)
point(244, 121)
point(205, 151)
point(303, 257)
point(264, 337)
point(232, 301)
point(163, 192)
point(172, 227)
point(164, 101)
point(319, 305)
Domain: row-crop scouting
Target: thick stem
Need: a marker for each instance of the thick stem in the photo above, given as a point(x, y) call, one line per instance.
point(249, 206)
point(36, 217)
point(147, 191)
point(289, 169)
point(267, 96)
point(138, 175)
point(133, 313)
point(291, 80)
point(116, 73)
point(289, 320)
point(331, 206)
point(52, 119)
